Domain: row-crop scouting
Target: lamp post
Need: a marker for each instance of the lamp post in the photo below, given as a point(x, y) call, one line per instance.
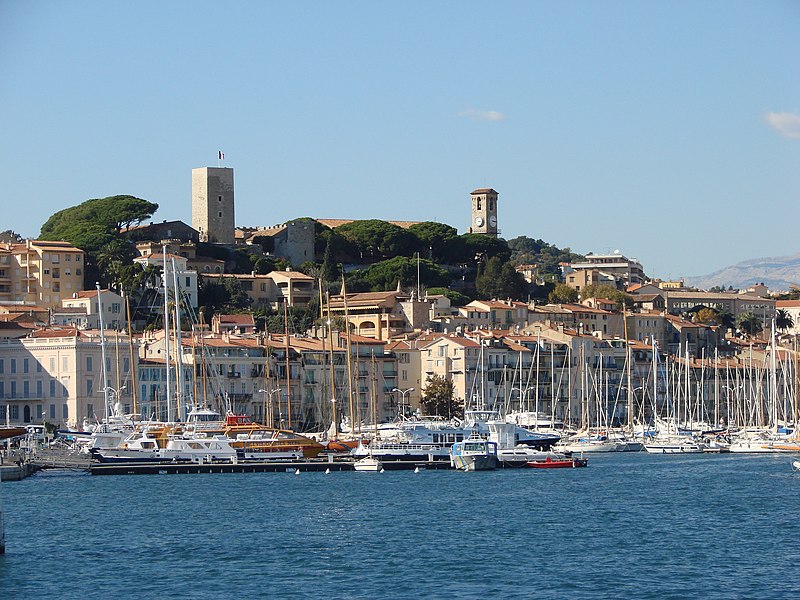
point(403, 394)
point(523, 392)
point(268, 394)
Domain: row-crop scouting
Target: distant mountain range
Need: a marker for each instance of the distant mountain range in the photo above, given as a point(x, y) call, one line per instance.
point(777, 273)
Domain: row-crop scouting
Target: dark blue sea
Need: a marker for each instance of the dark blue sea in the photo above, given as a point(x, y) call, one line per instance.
point(628, 526)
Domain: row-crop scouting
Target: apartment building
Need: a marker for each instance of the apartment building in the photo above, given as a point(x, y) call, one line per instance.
point(274, 289)
point(40, 272)
point(625, 271)
point(82, 310)
point(177, 270)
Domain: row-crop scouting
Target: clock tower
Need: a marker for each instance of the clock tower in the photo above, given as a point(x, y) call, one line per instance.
point(484, 212)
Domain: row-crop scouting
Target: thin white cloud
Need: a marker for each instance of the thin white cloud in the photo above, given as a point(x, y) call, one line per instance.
point(481, 115)
point(786, 123)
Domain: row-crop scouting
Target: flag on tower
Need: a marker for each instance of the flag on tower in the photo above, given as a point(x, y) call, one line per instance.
point(221, 155)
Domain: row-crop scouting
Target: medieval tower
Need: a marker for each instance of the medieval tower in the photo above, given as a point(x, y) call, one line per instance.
point(212, 204)
point(484, 212)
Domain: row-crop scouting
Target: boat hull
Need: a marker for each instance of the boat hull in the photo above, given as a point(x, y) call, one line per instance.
point(569, 463)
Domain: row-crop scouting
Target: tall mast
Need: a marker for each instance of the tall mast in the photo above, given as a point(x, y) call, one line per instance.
point(349, 357)
point(332, 369)
point(103, 349)
point(179, 395)
point(131, 368)
point(628, 369)
point(288, 366)
point(166, 331)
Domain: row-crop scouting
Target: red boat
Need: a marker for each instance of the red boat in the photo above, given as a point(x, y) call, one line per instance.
point(559, 463)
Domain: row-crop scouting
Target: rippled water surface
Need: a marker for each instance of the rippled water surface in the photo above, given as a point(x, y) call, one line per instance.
point(628, 526)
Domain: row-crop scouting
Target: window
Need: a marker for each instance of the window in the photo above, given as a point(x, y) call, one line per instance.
point(52, 363)
point(65, 411)
point(64, 363)
point(89, 387)
point(13, 365)
point(39, 388)
point(89, 410)
point(53, 388)
point(219, 214)
point(88, 363)
point(65, 387)
point(478, 207)
point(53, 411)
point(2, 366)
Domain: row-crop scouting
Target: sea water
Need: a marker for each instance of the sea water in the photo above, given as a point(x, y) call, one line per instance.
point(628, 526)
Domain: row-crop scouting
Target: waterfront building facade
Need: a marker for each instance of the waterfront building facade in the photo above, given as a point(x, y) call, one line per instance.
point(56, 376)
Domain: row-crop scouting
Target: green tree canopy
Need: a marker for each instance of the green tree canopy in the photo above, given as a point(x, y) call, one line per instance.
point(436, 241)
point(783, 320)
point(608, 292)
point(749, 323)
point(95, 226)
point(384, 276)
point(706, 316)
point(374, 239)
point(563, 294)
point(456, 298)
point(498, 279)
point(110, 215)
point(438, 398)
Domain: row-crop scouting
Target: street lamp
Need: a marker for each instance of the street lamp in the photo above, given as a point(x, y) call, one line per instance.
point(271, 422)
point(403, 394)
point(523, 392)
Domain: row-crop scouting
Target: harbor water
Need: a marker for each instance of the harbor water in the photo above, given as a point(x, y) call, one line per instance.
point(628, 526)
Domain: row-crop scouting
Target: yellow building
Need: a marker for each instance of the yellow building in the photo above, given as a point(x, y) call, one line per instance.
point(40, 272)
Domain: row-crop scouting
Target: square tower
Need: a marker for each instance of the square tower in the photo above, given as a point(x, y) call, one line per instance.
point(212, 204)
point(484, 212)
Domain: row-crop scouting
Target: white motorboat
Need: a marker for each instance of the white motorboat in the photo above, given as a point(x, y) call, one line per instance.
point(142, 446)
point(673, 445)
point(368, 464)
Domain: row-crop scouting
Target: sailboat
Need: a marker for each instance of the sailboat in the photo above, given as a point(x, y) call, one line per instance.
point(369, 462)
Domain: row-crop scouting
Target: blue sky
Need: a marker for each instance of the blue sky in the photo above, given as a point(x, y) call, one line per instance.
point(667, 130)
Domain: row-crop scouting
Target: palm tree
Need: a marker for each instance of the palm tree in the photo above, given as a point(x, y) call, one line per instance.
point(783, 320)
point(749, 323)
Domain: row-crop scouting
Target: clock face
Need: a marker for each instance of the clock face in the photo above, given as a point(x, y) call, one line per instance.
point(493, 221)
point(479, 221)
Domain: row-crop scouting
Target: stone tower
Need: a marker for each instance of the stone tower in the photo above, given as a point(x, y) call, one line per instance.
point(212, 204)
point(484, 212)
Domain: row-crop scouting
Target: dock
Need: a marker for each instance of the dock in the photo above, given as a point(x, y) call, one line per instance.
point(16, 472)
point(312, 466)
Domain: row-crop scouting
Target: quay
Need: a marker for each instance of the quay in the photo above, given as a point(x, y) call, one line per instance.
point(318, 466)
point(17, 472)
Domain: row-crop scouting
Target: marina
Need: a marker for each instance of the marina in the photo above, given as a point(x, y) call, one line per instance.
point(401, 534)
